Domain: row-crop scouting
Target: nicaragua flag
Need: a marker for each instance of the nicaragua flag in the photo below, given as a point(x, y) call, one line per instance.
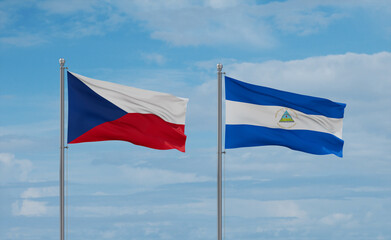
point(259, 116)
point(100, 111)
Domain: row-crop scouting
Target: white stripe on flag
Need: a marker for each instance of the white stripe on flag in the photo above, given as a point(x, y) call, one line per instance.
point(269, 116)
point(134, 100)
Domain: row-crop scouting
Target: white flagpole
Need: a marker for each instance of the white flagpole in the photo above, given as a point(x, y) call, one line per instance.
point(62, 147)
point(219, 152)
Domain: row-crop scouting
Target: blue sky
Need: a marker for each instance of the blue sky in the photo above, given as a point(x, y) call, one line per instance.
point(339, 50)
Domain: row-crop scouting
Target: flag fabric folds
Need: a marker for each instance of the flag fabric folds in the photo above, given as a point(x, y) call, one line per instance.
point(100, 111)
point(259, 116)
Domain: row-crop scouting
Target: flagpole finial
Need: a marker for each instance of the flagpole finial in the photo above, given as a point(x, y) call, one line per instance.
point(219, 67)
point(61, 61)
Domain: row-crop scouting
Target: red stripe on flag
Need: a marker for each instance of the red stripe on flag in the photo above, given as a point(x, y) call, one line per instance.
point(146, 130)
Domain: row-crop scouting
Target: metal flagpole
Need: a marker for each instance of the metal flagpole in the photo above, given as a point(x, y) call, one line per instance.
point(219, 152)
point(62, 147)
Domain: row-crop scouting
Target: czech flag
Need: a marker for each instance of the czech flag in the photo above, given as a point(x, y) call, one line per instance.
point(101, 111)
point(258, 116)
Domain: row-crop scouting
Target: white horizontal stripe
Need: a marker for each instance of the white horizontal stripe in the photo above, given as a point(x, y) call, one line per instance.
point(270, 116)
point(134, 100)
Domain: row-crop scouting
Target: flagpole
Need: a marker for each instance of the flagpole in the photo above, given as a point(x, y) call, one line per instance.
point(219, 152)
point(62, 147)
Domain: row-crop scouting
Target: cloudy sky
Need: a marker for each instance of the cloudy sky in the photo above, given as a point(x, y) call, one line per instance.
point(340, 50)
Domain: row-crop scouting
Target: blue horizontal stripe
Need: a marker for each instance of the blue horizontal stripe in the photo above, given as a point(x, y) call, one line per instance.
point(237, 136)
point(87, 109)
point(239, 91)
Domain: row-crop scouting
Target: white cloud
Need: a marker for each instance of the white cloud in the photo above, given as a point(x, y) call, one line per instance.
point(190, 23)
point(72, 6)
point(29, 208)
point(92, 25)
point(108, 234)
point(248, 208)
point(369, 189)
point(23, 40)
point(13, 142)
point(29, 128)
point(146, 228)
point(154, 177)
point(336, 218)
point(40, 192)
point(222, 3)
point(195, 24)
point(26, 136)
point(12, 169)
point(127, 169)
point(108, 211)
point(216, 22)
point(100, 194)
point(200, 207)
point(54, 19)
point(347, 76)
point(3, 19)
point(154, 58)
point(243, 208)
point(302, 17)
